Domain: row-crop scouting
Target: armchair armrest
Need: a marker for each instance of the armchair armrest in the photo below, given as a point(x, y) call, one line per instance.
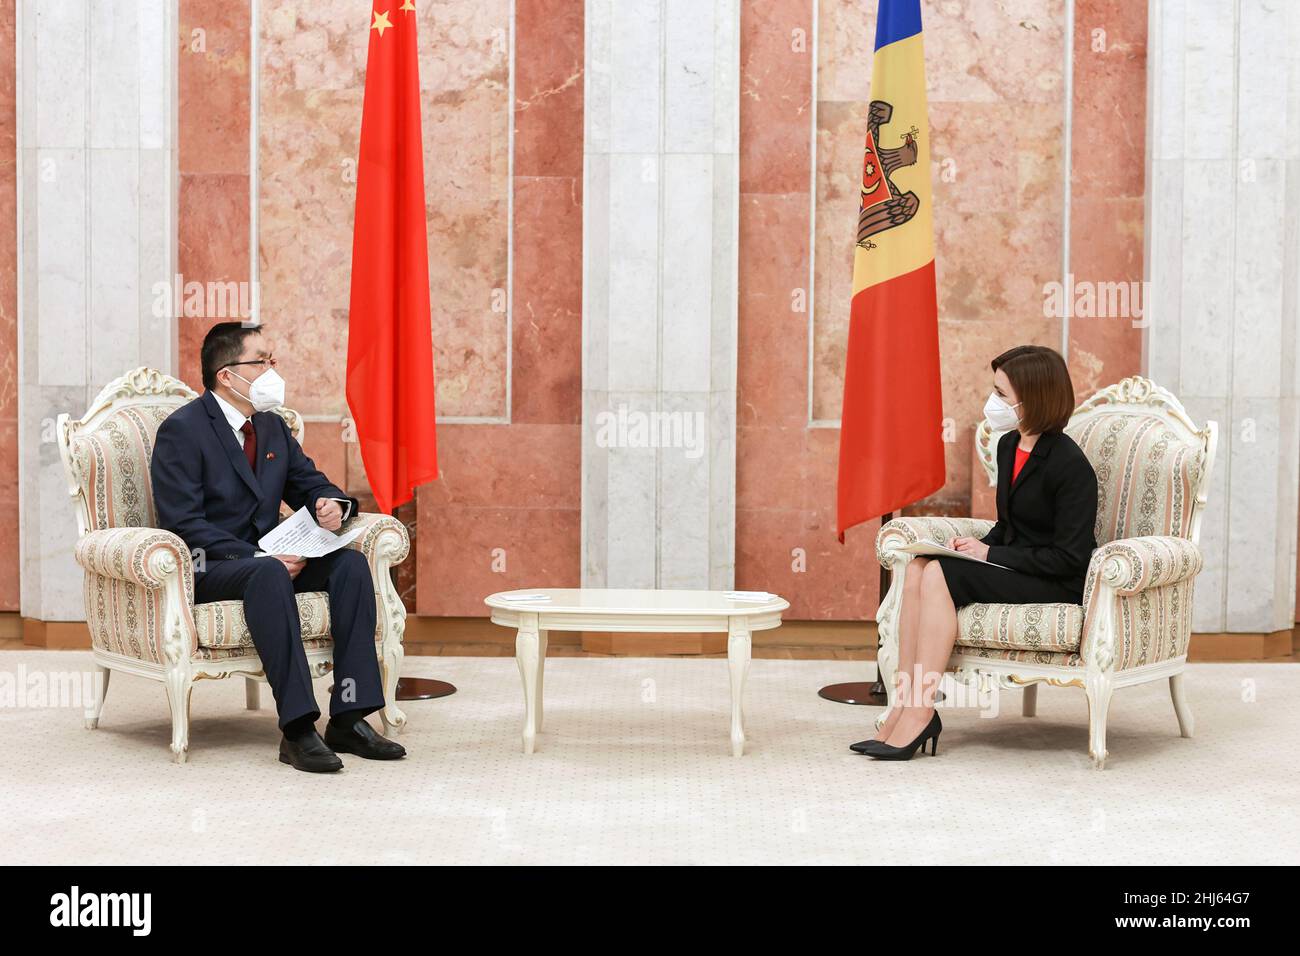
point(147, 557)
point(1130, 565)
point(140, 594)
point(909, 530)
point(1138, 601)
point(893, 535)
point(384, 541)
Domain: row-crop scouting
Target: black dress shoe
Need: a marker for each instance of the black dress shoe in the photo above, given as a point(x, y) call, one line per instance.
point(361, 739)
point(308, 752)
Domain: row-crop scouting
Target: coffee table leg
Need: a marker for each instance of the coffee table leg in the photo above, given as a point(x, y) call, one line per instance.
point(541, 676)
point(738, 650)
point(526, 655)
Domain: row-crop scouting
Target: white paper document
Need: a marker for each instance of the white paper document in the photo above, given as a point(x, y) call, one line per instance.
point(527, 598)
point(299, 534)
point(758, 597)
point(930, 549)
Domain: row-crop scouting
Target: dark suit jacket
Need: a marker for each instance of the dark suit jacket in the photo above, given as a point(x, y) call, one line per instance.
point(204, 491)
point(1046, 518)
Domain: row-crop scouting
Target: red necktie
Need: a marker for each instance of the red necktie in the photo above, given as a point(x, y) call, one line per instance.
point(250, 444)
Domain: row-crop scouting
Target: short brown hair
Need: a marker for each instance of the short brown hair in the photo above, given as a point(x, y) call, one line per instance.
point(1042, 383)
point(222, 346)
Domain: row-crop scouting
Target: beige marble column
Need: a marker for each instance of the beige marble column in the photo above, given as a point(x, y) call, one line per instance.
point(96, 228)
point(1223, 260)
point(659, 298)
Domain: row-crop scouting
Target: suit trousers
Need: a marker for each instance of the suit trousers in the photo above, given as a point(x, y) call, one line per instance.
point(266, 589)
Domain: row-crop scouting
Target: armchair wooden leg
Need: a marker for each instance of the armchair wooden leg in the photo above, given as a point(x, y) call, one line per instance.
point(391, 667)
point(1178, 690)
point(1098, 690)
point(100, 691)
point(179, 686)
point(252, 694)
point(1029, 704)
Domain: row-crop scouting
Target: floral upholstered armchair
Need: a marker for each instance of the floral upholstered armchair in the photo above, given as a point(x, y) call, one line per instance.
point(1153, 467)
point(139, 582)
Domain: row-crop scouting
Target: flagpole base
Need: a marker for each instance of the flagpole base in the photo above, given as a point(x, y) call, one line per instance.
point(423, 688)
point(856, 692)
point(860, 692)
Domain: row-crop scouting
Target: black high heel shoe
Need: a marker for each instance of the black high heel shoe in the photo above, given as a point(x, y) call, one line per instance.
point(865, 746)
point(883, 751)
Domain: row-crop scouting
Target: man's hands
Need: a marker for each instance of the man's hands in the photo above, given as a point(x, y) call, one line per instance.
point(293, 562)
point(329, 514)
point(972, 546)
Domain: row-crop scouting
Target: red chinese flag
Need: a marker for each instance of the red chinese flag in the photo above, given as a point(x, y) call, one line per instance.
point(390, 345)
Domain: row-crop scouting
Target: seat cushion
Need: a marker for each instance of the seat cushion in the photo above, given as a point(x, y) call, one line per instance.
point(1056, 628)
point(222, 624)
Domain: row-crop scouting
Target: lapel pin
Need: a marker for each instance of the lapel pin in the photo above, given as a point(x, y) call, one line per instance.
point(270, 455)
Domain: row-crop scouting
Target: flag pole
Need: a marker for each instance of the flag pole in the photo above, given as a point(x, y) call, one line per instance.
point(864, 692)
point(419, 688)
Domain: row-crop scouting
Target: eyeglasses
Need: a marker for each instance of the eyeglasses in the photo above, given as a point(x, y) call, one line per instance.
point(265, 363)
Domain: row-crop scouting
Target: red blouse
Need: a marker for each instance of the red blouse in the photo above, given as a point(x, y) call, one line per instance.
point(1022, 456)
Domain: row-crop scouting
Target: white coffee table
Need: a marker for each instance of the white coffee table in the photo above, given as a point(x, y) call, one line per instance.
point(599, 609)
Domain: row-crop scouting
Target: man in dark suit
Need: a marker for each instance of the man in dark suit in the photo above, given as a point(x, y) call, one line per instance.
point(221, 466)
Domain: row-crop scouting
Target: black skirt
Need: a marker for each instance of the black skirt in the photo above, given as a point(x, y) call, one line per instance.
point(975, 582)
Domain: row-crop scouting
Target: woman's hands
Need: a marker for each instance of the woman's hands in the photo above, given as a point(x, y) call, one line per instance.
point(972, 546)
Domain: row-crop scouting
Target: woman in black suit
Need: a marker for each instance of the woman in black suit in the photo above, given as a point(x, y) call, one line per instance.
point(1044, 538)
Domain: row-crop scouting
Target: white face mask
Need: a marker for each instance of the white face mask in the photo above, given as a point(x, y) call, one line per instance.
point(266, 391)
point(999, 414)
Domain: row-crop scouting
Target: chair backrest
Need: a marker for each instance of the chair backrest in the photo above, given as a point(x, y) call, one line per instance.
point(1153, 464)
point(106, 452)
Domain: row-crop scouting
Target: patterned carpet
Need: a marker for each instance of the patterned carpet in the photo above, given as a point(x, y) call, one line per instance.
point(634, 766)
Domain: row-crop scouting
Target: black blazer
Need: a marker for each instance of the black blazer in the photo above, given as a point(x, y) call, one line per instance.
point(204, 491)
point(1046, 518)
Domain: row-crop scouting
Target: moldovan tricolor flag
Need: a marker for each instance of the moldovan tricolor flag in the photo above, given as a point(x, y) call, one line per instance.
point(891, 442)
point(390, 343)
